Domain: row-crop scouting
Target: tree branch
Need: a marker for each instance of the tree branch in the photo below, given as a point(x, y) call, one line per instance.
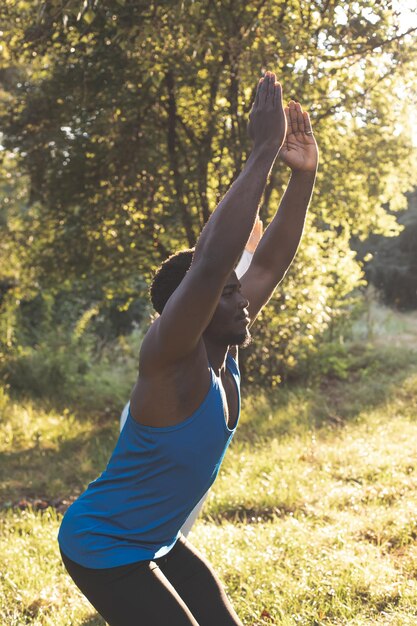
point(173, 159)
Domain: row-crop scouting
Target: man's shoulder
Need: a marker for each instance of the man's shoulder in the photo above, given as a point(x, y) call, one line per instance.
point(154, 361)
point(167, 396)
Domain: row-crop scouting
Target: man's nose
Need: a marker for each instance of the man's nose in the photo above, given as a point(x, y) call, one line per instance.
point(244, 303)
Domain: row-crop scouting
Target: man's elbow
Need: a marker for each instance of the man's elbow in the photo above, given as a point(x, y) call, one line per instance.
point(212, 265)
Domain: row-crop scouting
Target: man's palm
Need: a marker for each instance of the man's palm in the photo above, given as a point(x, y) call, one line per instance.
point(299, 150)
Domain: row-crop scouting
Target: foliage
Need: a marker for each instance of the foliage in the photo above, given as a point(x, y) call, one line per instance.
point(392, 264)
point(125, 122)
point(310, 301)
point(66, 367)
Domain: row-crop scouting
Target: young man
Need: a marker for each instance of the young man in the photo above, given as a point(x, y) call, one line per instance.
point(241, 269)
point(121, 540)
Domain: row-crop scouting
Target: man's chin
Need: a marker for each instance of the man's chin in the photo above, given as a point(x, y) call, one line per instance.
point(242, 340)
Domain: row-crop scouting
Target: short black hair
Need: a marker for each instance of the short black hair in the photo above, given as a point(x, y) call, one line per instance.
point(168, 277)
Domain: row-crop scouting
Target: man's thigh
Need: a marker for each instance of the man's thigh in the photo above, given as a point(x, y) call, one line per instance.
point(132, 595)
point(196, 582)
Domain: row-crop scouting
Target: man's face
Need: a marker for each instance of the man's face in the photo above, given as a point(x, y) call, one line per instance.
point(229, 324)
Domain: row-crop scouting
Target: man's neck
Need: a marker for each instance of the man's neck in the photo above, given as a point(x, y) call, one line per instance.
point(216, 355)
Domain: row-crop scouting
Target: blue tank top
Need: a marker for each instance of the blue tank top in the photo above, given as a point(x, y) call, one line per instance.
point(155, 477)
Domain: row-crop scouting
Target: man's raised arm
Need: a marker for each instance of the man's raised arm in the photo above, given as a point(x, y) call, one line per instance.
point(187, 313)
point(226, 232)
point(280, 241)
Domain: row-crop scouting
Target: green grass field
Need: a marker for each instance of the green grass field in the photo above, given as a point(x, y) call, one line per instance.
point(312, 521)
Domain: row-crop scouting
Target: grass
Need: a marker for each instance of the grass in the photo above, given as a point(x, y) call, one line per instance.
point(385, 325)
point(325, 534)
point(312, 521)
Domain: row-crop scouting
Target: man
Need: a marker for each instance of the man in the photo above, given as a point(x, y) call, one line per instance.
point(241, 269)
point(120, 540)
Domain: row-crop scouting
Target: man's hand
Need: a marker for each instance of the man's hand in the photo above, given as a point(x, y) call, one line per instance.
point(299, 150)
point(267, 122)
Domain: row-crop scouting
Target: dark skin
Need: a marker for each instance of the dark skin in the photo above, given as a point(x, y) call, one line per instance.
point(211, 311)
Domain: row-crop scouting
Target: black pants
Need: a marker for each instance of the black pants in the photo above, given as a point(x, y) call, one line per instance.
point(180, 589)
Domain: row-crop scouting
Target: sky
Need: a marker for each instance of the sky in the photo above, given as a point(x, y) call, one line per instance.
point(407, 10)
point(408, 13)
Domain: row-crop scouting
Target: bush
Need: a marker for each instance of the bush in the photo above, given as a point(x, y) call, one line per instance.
point(64, 368)
point(50, 369)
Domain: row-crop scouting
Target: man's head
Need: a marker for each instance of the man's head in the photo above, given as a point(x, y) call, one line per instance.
point(168, 277)
point(229, 323)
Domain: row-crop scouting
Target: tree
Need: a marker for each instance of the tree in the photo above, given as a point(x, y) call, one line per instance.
point(392, 264)
point(129, 120)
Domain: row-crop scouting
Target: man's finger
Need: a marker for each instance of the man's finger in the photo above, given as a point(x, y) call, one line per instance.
point(307, 124)
point(266, 87)
point(263, 91)
point(300, 119)
point(289, 125)
point(277, 95)
point(272, 81)
point(258, 89)
point(293, 117)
